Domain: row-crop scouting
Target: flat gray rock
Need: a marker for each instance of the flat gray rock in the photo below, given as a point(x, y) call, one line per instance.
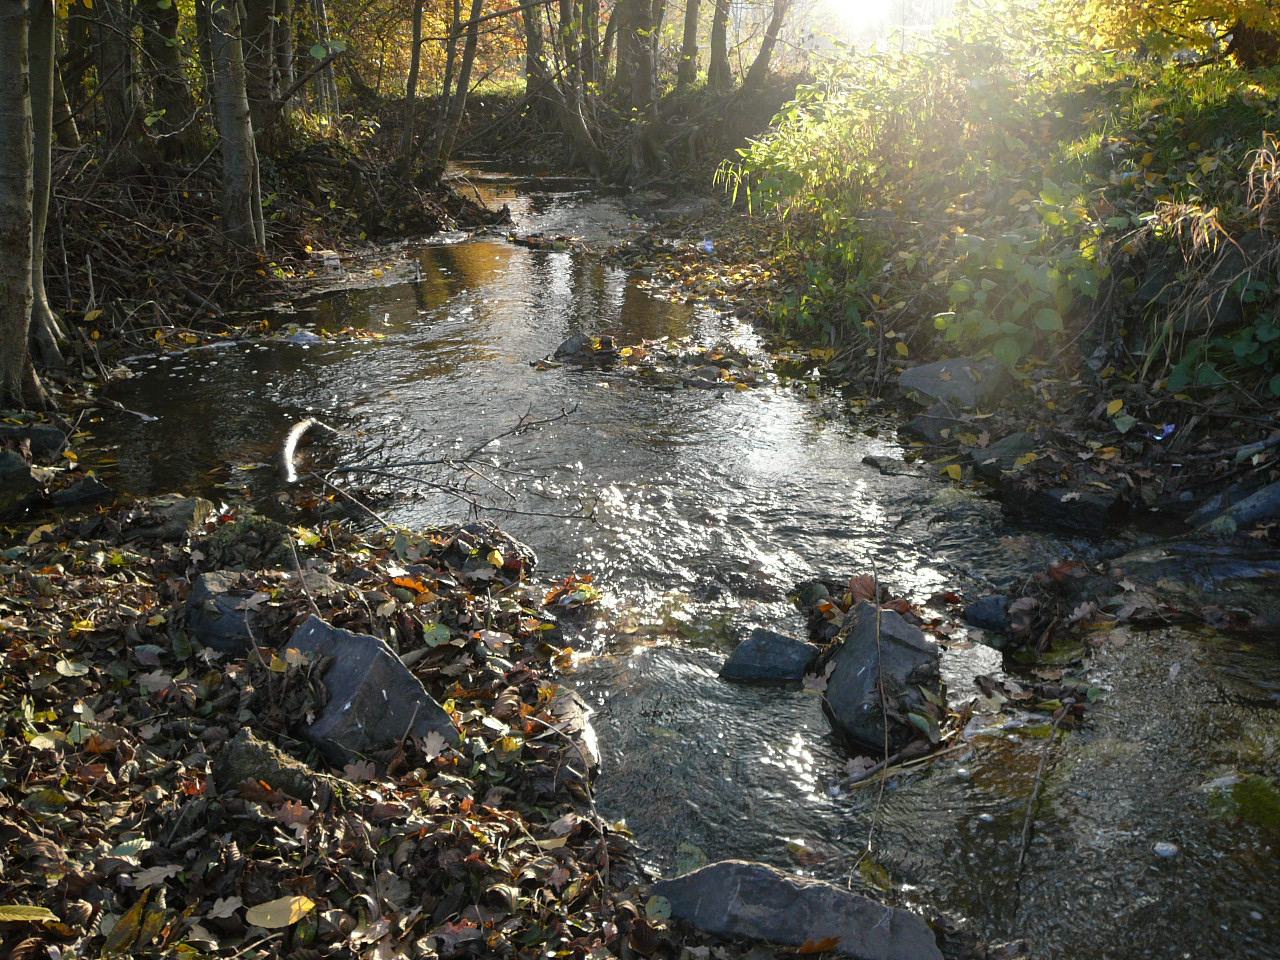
point(374, 700)
point(766, 657)
point(903, 656)
point(737, 898)
point(217, 614)
point(961, 381)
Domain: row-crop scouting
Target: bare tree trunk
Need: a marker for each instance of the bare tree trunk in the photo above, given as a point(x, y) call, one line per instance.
point(259, 44)
point(121, 123)
point(458, 103)
point(411, 91)
point(687, 71)
point(178, 131)
point(64, 122)
point(18, 383)
point(241, 196)
point(759, 70)
point(718, 77)
point(589, 58)
point(284, 44)
point(48, 335)
point(610, 42)
point(537, 78)
point(329, 84)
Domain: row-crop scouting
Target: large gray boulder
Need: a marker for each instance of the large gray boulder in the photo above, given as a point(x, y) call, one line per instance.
point(962, 381)
point(374, 700)
point(766, 657)
point(736, 898)
point(902, 656)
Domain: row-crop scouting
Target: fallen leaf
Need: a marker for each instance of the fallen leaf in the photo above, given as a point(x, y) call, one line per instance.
point(14, 912)
point(281, 912)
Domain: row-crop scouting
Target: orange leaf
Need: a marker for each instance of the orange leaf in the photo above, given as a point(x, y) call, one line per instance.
point(819, 946)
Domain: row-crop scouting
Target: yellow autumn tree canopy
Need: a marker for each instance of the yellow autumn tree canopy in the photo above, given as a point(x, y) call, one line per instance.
point(1247, 29)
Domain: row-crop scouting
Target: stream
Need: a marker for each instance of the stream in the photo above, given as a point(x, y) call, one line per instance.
point(708, 506)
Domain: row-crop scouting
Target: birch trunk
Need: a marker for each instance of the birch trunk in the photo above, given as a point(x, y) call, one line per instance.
point(241, 199)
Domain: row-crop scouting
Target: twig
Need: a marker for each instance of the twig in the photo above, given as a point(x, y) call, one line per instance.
point(1029, 819)
point(302, 581)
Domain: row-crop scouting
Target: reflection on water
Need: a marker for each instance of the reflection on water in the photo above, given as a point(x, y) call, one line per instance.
point(707, 507)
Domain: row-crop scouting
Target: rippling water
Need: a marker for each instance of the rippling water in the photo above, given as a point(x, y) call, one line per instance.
point(707, 507)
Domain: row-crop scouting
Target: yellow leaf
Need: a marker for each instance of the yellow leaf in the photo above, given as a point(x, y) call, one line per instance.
point(954, 471)
point(13, 912)
point(277, 666)
point(92, 315)
point(1114, 407)
point(495, 557)
point(279, 913)
point(901, 348)
point(126, 930)
point(70, 456)
point(1026, 458)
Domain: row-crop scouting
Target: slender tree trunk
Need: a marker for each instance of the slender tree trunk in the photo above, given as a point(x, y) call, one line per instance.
point(610, 42)
point(718, 77)
point(458, 104)
point(411, 91)
point(259, 60)
point(687, 71)
point(590, 56)
point(759, 70)
point(176, 127)
point(48, 335)
point(284, 44)
point(121, 123)
point(18, 383)
point(241, 197)
point(64, 122)
point(537, 78)
point(328, 82)
point(450, 68)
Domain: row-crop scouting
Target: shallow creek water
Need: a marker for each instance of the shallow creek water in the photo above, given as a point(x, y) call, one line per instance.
point(708, 506)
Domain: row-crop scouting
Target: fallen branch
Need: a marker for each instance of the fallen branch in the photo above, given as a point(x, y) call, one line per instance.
point(291, 446)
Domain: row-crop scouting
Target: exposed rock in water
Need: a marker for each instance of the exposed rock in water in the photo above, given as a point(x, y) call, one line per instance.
point(172, 518)
point(374, 701)
point(766, 656)
point(936, 425)
point(80, 494)
point(736, 898)
point(1256, 508)
point(580, 757)
point(961, 381)
point(247, 758)
point(999, 457)
point(1084, 512)
point(19, 488)
point(45, 441)
point(989, 613)
point(878, 644)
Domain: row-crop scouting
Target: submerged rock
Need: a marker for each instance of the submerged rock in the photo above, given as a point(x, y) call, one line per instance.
point(766, 656)
point(1000, 456)
point(879, 644)
point(737, 898)
point(374, 701)
point(962, 381)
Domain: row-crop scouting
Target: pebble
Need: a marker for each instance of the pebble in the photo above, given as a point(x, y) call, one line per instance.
point(1166, 849)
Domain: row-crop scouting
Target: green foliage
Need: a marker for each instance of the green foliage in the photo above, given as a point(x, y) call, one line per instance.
point(1001, 185)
